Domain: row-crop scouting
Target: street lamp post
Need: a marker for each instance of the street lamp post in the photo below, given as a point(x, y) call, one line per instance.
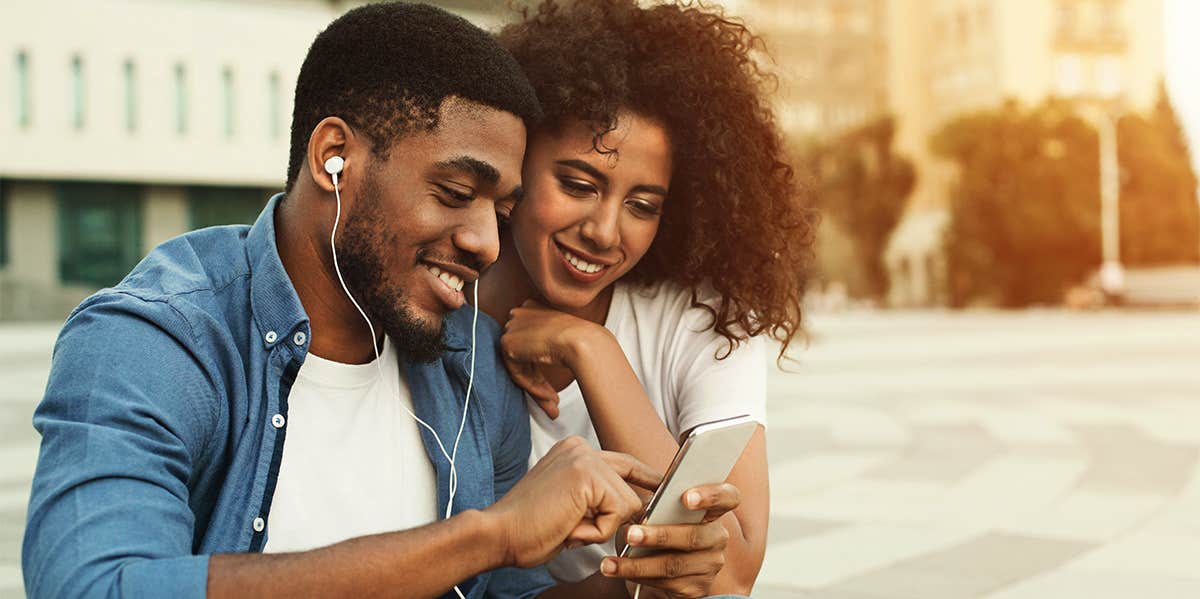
point(1112, 274)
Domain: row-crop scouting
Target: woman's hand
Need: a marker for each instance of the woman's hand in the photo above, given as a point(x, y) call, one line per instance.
point(688, 557)
point(538, 339)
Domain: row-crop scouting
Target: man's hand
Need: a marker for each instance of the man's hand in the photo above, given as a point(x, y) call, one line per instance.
point(689, 555)
point(573, 496)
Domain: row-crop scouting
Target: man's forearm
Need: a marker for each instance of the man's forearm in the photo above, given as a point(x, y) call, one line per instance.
point(420, 562)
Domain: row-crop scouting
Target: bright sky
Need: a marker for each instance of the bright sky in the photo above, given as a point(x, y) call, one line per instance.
point(1183, 67)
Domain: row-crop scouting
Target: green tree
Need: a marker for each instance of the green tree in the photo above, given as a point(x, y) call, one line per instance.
point(1160, 220)
point(863, 185)
point(1025, 213)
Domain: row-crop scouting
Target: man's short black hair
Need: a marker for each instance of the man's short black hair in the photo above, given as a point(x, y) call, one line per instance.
point(386, 69)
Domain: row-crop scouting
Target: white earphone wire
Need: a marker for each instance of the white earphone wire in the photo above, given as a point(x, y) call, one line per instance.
point(453, 483)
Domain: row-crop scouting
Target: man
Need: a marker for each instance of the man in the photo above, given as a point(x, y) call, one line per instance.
point(163, 470)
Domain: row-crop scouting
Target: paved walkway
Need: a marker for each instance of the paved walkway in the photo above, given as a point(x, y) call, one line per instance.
point(921, 455)
point(994, 455)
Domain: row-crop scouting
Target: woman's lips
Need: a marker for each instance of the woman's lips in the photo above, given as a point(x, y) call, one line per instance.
point(573, 269)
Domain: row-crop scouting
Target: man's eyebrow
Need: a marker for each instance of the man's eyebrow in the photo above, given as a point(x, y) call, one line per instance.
point(517, 193)
point(481, 170)
point(585, 167)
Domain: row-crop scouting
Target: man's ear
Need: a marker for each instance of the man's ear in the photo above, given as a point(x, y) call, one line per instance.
point(331, 137)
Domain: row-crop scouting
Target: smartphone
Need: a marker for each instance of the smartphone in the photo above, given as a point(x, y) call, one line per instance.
point(705, 457)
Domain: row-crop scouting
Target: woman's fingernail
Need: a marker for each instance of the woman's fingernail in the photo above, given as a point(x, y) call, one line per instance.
point(608, 567)
point(693, 499)
point(635, 534)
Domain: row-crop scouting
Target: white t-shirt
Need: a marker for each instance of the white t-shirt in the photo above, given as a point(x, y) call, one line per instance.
point(353, 462)
point(672, 349)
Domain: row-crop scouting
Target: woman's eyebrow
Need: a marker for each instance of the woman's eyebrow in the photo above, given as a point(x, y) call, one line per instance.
point(652, 189)
point(585, 167)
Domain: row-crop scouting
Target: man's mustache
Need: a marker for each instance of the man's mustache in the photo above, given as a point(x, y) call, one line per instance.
point(459, 258)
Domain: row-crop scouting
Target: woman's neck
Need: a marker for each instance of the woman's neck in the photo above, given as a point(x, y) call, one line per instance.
point(505, 285)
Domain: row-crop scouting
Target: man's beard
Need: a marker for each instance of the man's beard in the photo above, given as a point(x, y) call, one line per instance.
point(360, 256)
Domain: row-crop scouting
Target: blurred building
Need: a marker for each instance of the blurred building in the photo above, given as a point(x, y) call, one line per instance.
point(928, 61)
point(127, 122)
point(829, 56)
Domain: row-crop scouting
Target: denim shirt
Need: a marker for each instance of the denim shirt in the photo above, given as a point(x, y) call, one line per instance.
point(164, 420)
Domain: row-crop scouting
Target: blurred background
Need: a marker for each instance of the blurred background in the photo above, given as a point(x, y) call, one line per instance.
point(1000, 396)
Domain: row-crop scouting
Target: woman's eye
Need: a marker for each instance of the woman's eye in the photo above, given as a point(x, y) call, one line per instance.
point(644, 208)
point(576, 187)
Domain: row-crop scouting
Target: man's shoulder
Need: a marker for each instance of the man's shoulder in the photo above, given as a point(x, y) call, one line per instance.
point(201, 261)
point(182, 289)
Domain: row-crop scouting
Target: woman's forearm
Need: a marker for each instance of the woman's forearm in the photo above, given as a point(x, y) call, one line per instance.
point(620, 411)
point(625, 421)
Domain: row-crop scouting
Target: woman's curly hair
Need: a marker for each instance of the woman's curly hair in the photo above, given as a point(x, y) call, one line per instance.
point(734, 218)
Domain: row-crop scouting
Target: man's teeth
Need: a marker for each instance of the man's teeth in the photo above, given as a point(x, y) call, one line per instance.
point(580, 264)
point(451, 281)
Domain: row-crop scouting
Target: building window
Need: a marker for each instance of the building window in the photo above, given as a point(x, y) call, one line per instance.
point(99, 232)
point(78, 93)
point(24, 100)
point(130, 72)
point(1068, 18)
point(228, 99)
point(274, 120)
point(4, 187)
point(181, 98)
point(212, 206)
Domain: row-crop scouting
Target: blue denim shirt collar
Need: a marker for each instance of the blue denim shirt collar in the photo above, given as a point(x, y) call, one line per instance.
point(273, 299)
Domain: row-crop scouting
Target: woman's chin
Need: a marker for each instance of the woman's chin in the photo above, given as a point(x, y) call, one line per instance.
point(569, 300)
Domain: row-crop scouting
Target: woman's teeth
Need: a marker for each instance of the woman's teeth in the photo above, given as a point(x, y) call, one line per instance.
point(450, 280)
point(580, 264)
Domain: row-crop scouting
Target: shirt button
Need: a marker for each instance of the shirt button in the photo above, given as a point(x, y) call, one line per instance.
point(259, 524)
point(299, 338)
point(271, 336)
point(277, 421)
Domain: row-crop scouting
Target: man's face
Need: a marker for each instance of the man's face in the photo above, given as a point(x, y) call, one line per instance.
point(423, 223)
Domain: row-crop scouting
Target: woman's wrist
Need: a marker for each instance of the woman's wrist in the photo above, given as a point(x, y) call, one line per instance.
point(586, 342)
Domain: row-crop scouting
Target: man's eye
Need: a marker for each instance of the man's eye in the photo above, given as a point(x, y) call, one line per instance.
point(455, 195)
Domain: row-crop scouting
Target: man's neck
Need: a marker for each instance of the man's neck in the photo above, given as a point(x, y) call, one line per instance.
point(338, 331)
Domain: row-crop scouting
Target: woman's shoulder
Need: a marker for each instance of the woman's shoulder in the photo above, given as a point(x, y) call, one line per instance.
point(668, 305)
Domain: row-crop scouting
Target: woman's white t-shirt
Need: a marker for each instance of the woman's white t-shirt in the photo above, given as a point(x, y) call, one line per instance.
point(673, 351)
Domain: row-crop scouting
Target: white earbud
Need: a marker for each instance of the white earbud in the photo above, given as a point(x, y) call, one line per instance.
point(334, 165)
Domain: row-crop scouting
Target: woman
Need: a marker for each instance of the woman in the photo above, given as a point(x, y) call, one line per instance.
point(659, 242)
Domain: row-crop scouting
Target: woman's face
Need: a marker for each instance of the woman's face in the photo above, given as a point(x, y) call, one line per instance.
point(587, 218)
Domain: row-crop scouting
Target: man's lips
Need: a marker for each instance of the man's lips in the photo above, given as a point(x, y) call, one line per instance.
point(447, 281)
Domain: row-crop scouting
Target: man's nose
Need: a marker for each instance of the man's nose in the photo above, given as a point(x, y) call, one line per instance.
point(480, 235)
